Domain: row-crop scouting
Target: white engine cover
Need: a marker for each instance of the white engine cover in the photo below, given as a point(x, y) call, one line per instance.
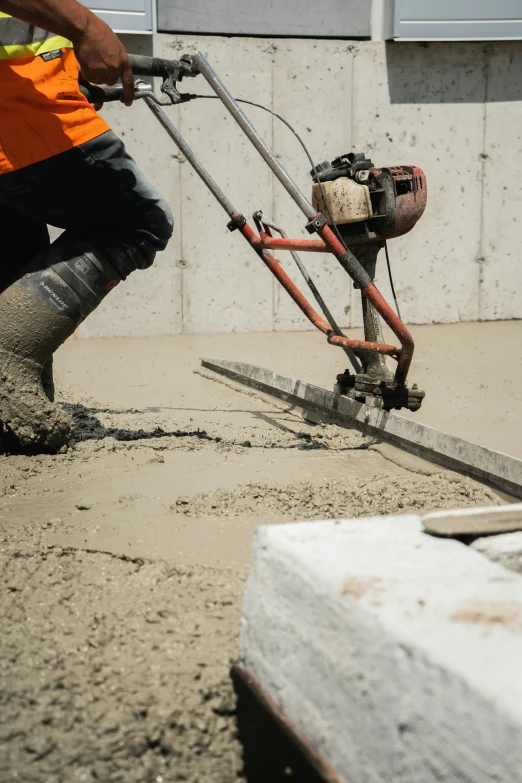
point(349, 202)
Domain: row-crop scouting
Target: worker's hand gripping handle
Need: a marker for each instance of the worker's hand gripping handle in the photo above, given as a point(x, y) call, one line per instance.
point(171, 71)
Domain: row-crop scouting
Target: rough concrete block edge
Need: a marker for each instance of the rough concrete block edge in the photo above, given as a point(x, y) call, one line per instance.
point(309, 751)
point(254, 672)
point(258, 682)
point(499, 469)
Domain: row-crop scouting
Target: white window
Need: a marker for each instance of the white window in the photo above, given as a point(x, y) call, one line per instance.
point(124, 16)
point(461, 20)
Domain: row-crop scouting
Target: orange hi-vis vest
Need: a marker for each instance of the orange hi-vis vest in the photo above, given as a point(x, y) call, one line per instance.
point(42, 111)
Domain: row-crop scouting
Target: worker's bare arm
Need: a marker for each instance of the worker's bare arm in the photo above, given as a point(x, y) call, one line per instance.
point(101, 55)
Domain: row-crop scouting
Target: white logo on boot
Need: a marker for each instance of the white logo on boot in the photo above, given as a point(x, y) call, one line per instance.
point(82, 265)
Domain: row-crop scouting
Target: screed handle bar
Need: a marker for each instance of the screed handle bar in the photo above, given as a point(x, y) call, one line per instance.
point(173, 70)
point(259, 143)
point(151, 66)
point(177, 138)
point(101, 93)
point(199, 64)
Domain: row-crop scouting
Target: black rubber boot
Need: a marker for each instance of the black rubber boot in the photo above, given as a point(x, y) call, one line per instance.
point(37, 314)
point(48, 380)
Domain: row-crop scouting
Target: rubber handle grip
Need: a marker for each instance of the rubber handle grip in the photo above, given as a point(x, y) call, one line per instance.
point(96, 93)
point(151, 66)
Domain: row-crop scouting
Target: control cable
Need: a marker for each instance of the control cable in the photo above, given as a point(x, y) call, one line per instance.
point(391, 280)
point(303, 145)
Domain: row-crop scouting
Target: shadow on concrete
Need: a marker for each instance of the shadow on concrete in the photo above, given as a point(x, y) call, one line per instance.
point(454, 72)
point(269, 754)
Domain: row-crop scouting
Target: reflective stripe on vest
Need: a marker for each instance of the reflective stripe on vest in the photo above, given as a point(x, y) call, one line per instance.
point(20, 39)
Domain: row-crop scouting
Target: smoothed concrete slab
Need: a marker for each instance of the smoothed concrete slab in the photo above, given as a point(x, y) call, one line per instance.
point(398, 655)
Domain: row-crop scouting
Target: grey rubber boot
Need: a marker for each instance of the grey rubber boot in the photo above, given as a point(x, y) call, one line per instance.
point(10, 276)
point(29, 333)
point(37, 314)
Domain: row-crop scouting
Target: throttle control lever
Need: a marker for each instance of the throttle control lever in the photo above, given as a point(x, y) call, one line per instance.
point(171, 71)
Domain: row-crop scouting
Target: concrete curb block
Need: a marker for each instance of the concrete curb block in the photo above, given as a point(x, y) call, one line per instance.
point(397, 654)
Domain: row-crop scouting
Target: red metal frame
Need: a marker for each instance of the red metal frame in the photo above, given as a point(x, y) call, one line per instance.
point(330, 244)
point(267, 242)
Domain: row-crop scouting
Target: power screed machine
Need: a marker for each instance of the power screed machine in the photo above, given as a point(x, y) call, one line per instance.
point(355, 208)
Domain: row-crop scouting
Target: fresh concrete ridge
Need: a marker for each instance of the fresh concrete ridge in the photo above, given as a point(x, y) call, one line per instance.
point(451, 108)
point(398, 655)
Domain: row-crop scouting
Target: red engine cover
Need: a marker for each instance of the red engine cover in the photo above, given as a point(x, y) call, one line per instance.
point(410, 187)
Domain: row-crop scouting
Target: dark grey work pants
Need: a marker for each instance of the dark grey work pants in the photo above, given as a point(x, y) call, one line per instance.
point(96, 192)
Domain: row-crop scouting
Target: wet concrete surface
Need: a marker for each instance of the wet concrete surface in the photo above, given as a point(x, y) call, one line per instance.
point(123, 558)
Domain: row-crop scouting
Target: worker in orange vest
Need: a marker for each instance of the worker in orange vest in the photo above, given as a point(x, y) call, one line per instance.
point(60, 164)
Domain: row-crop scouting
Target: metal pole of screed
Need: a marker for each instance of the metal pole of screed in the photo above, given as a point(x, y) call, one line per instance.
point(264, 150)
point(194, 161)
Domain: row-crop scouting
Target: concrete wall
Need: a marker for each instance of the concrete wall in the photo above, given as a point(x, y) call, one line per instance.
point(454, 109)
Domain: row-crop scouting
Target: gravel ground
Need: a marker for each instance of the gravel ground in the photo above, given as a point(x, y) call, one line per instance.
point(333, 500)
point(115, 669)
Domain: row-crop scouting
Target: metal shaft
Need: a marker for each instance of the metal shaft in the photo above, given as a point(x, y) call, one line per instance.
point(264, 150)
point(374, 364)
point(194, 161)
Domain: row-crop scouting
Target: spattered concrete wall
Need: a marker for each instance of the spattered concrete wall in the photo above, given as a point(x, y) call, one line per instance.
point(454, 109)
